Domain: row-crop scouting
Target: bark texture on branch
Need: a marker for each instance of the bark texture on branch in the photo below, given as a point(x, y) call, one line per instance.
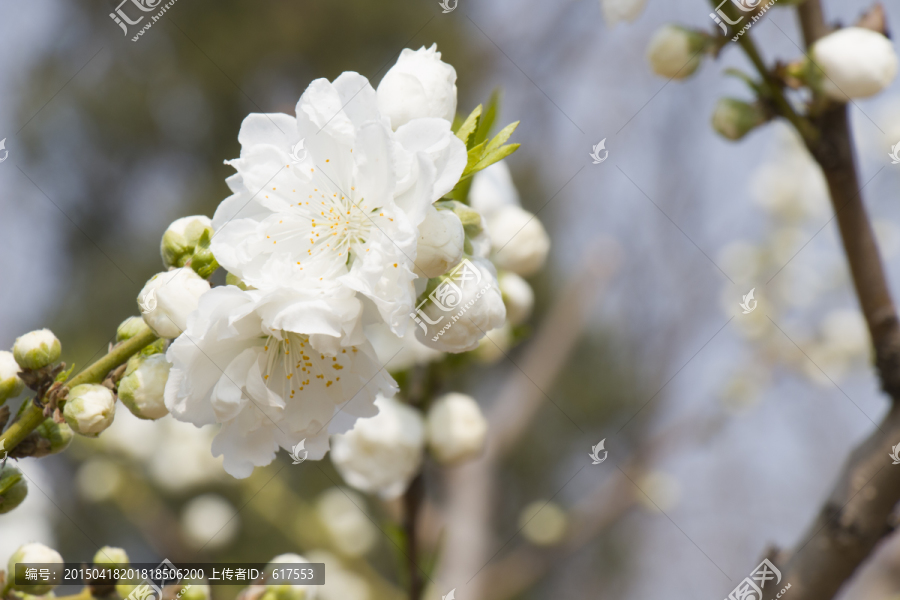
point(856, 515)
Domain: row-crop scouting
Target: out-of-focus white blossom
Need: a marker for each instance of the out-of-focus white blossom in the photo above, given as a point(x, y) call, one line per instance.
point(493, 188)
point(674, 52)
point(90, 409)
point(455, 428)
point(36, 349)
point(857, 63)
point(520, 242)
point(209, 521)
point(615, 11)
point(98, 479)
point(543, 523)
point(419, 85)
point(399, 353)
point(381, 454)
point(517, 296)
point(168, 298)
point(341, 511)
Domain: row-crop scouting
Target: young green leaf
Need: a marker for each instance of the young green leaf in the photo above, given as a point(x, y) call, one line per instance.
point(501, 137)
point(488, 118)
point(469, 126)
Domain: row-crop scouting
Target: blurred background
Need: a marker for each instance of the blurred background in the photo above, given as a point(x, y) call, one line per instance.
point(724, 430)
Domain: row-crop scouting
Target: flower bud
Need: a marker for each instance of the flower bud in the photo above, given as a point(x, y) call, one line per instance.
point(856, 63)
point(479, 309)
point(615, 11)
point(456, 429)
point(13, 488)
point(32, 554)
point(543, 523)
point(10, 384)
point(141, 388)
point(182, 238)
point(90, 409)
point(58, 436)
point(674, 52)
point(349, 530)
point(733, 119)
point(168, 298)
point(381, 454)
point(112, 558)
point(129, 328)
point(419, 85)
point(440, 245)
point(519, 240)
point(37, 349)
point(517, 296)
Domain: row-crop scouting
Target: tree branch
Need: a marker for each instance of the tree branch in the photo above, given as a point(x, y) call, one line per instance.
point(855, 517)
point(34, 415)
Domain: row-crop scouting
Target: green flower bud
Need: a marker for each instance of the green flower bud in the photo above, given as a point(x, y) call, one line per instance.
point(142, 387)
point(10, 384)
point(58, 434)
point(203, 262)
point(182, 238)
point(129, 328)
point(90, 409)
point(13, 488)
point(113, 558)
point(675, 52)
point(734, 119)
point(37, 349)
point(32, 554)
point(468, 216)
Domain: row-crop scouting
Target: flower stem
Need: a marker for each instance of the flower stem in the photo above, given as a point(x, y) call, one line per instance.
point(412, 504)
point(34, 415)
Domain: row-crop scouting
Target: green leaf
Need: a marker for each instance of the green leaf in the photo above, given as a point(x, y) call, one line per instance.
point(63, 375)
point(469, 126)
point(488, 118)
point(501, 137)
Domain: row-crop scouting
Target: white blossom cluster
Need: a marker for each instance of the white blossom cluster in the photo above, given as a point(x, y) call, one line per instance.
point(344, 249)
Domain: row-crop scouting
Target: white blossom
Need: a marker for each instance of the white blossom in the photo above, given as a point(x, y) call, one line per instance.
point(419, 85)
point(383, 453)
point(615, 11)
point(273, 368)
point(673, 52)
point(349, 212)
point(141, 388)
point(493, 188)
point(90, 408)
point(857, 63)
point(168, 298)
point(517, 296)
point(440, 245)
point(520, 242)
point(478, 309)
point(36, 349)
point(456, 429)
point(350, 530)
point(10, 383)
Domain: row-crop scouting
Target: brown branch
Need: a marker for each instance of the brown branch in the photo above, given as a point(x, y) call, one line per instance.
point(855, 517)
